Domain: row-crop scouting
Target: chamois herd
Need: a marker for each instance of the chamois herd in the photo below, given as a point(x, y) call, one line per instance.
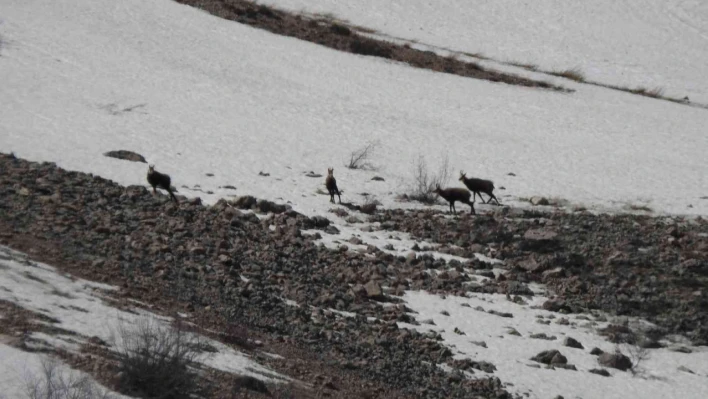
point(451, 194)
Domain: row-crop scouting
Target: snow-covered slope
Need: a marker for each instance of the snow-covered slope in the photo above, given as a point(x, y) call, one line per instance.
point(648, 43)
point(473, 333)
point(196, 94)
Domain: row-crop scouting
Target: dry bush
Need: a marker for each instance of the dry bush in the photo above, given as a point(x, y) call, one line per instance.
point(360, 158)
point(656, 92)
point(424, 181)
point(55, 383)
point(370, 205)
point(637, 354)
point(573, 74)
point(156, 360)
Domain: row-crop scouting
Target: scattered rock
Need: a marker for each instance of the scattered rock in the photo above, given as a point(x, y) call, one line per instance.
point(551, 357)
point(539, 201)
point(615, 360)
point(543, 336)
point(596, 351)
point(601, 372)
point(377, 178)
point(373, 290)
point(572, 343)
point(500, 314)
point(685, 369)
point(126, 155)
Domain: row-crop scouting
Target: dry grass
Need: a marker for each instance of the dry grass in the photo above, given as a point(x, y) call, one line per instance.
point(575, 74)
point(656, 92)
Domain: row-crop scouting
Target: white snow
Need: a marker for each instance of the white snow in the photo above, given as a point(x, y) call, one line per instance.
point(649, 43)
point(19, 368)
point(658, 375)
point(204, 95)
point(196, 94)
point(78, 307)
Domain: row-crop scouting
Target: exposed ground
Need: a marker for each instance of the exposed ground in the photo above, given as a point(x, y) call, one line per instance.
point(335, 314)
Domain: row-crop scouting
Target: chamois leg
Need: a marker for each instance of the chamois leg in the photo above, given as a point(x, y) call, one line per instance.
point(482, 198)
point(474, 196)
point(492, 196)
point(172, 195)
point(471, 204)
point(338, 195)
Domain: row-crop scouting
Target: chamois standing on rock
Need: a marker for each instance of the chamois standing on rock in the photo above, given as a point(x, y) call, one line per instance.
point(452, 195)
point(331, 185)
point(157, 179)
point(479, 186)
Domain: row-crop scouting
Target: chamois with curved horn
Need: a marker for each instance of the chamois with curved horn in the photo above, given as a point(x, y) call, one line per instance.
point(479, 186)
point(331, 184)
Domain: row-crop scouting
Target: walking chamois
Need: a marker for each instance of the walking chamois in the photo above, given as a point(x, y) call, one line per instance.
point(479, 186)
point(455, 194)
point(157, 179)
point(331, 185)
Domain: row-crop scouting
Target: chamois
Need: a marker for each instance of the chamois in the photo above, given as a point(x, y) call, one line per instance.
point(479, 186)
point(157, 179)
point(455, 194)
point(331, 185)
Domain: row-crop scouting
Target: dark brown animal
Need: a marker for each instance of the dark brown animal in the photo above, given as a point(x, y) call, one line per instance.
point(157, 179)
point(455, 194)
point(479, 186)
point(331, 185)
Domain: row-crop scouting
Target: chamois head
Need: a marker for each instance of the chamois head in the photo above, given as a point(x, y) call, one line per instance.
point(151, 169)
point(463, 175)
point(330, 171)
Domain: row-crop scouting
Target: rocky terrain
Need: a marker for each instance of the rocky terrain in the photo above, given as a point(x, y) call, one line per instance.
point(245, 268)
point(650, 267)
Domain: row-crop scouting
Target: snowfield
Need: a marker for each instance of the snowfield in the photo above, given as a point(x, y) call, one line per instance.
point(198, 95)
point(637, 43)
point(81, 311)
point(662, 374)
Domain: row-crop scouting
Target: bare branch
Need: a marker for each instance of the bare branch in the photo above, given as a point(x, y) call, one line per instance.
point(359, 159)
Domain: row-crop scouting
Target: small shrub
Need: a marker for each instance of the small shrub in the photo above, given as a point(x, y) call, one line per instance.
point(370, 205)
point(55, 383)
point(638, 354)
point(424, 181)
point(359, 159)
point(573, 74)
point(156, 360)
point(656, 92)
